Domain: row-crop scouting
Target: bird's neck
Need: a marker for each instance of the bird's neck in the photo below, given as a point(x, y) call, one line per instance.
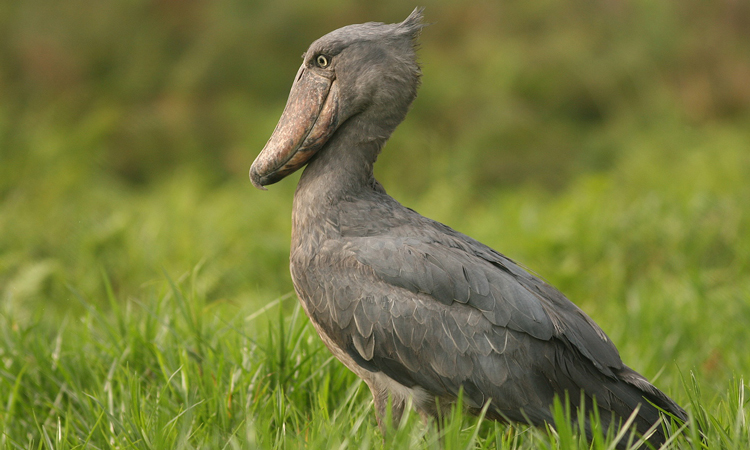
point(344, 166)
point(342, 169)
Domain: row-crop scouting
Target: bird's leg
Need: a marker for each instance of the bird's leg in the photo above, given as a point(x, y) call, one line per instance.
point(387, 406)
point(431, 418)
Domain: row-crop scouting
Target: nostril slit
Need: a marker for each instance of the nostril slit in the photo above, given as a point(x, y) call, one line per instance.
point(300, 74)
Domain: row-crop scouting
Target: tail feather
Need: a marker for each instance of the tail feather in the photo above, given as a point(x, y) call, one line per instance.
point(634, 390)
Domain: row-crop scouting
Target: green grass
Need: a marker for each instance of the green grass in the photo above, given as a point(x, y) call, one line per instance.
point(176, 372)
point(173, 360)
point(145, 299)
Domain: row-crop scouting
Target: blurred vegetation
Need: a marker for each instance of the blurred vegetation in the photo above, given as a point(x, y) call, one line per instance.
point(118, 120)
point(604, 144)
point(162, 105)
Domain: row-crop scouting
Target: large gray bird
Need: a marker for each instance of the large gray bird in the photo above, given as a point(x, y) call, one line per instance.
point(416, 309)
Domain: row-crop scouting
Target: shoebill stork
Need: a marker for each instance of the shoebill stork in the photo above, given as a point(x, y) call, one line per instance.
point(416, 309)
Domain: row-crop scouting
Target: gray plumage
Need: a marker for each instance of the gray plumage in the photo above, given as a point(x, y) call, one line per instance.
point(413, 307)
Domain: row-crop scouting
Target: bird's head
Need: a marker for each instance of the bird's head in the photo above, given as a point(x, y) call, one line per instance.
point(366, 70)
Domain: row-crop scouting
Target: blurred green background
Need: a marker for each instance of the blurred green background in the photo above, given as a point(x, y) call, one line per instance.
point(592, 141)
point(605, 145)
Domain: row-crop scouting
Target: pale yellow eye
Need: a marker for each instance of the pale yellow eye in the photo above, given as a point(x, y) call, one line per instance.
point(322, 61)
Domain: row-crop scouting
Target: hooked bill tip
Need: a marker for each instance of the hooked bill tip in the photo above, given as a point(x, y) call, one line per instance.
point(255, 179)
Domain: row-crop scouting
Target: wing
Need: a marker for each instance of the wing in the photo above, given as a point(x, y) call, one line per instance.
point(457, 269)
point(440, 317)
point(416, 340)
point(446, 313)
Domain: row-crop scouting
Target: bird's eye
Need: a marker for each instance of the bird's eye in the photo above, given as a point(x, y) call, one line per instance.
point(322, 61)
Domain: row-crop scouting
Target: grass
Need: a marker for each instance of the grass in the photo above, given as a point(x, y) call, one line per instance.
point(145, 299)
point(184, 363)
point(177, 372)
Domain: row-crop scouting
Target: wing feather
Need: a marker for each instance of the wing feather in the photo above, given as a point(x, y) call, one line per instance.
point(504, 293)
point(428, 306)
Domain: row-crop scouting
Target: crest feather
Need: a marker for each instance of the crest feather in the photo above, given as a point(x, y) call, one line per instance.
point(413, 24)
